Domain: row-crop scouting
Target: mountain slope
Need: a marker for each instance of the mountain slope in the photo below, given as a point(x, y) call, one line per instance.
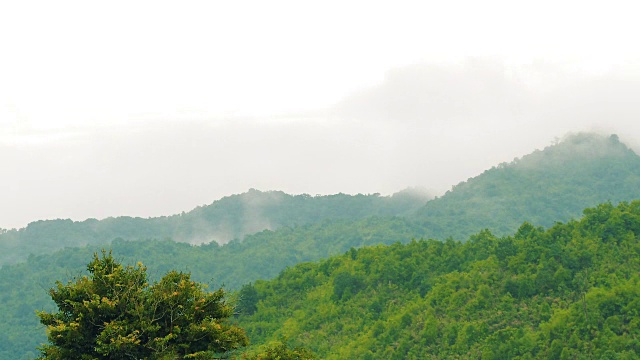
point(581, 169)
point(548, 185)
point(259, 256)
point(567, 292)
point(229, 218)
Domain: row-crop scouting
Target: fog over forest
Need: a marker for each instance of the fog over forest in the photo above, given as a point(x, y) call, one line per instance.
point(359, 179)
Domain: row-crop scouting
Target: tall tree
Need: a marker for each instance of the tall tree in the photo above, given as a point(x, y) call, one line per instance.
point(115, 314)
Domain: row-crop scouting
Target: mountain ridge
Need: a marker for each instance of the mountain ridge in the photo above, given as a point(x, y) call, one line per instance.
point(231, 217)
point(265, 254)
point(569, 291)
point(553, 184)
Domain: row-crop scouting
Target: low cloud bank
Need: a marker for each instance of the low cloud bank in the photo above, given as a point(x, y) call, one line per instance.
point(424, 125)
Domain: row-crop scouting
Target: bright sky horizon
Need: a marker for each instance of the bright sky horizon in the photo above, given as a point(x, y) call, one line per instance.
point(105, 106)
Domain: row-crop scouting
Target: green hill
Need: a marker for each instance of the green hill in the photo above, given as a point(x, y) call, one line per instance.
point(229, 218)
point(523, 296)
point(259, 256)
point(569, 292)
point(543, 187)
point(548, 185)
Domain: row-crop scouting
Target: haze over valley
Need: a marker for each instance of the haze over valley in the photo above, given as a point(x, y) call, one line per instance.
point(340, 180)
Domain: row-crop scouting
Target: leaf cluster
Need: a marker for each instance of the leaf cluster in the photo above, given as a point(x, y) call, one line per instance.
point(114, 313)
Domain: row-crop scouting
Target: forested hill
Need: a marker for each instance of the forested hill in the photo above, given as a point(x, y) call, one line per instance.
point(548, 185)
point(229, 218)
point(581, 169)
point(260, 256)
point(501, 297)
point(569, 292)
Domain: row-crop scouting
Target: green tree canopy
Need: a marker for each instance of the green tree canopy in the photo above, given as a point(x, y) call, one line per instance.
point(115, 314)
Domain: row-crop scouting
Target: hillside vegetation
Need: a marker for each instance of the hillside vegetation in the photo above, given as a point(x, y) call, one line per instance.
point(554, 184)
point(569, 292)
point(259, 256)
point(584, 169)
point(549, 185)
point(229, 218)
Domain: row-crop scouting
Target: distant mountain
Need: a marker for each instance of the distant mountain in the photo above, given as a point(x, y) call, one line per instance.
point(546, 186)
point(583, 169)
point(229, 218)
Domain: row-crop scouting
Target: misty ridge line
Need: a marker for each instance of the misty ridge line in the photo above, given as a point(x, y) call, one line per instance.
point(254, 203)
point(230, 218)
point(405, 131)
point(583, 168)
point(519, 191)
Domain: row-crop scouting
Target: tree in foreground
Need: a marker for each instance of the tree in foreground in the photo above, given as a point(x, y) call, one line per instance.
point(115, 314)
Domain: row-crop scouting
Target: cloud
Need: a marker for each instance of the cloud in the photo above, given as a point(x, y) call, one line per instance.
point(430, 93)
point(490, 97)
point(423, 125)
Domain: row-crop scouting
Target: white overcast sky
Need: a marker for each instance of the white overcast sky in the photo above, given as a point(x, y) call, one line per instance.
point(148, 108)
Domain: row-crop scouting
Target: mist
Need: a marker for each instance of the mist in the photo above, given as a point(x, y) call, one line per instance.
point(426, 125)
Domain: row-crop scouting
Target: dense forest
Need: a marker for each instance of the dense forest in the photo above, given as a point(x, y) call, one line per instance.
point(571, 291)
point(549, 185)
point(259, 256)
point(227, 219)
point(553, 184)
point(545, 187)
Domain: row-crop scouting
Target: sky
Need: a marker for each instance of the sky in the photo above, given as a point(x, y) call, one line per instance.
point(150, 108)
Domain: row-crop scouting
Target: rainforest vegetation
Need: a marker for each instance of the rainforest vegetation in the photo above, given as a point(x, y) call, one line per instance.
point(570, 291)
point(227, 219)
point(501, 266)
point(114, 313)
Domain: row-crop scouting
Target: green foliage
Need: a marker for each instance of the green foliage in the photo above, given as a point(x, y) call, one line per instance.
point(544, 187)
point(345, 285)
point(554, 184)
point(115, 314)
point(259, 256)
point(279, 350)
point(570, 291)
point(229, 218)
point(247, 300)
